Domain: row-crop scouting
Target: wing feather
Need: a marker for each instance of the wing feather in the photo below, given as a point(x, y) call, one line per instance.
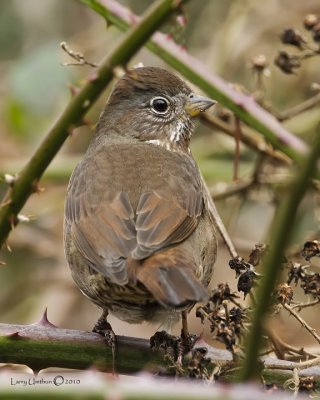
point(117, 221)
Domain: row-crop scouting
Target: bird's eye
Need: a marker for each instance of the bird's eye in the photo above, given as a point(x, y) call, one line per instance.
point(160, 105)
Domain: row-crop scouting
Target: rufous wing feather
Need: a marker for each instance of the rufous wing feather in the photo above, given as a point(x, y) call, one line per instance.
point(171, 280)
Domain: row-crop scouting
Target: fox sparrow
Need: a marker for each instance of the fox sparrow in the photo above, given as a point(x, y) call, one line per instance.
point(139, 238)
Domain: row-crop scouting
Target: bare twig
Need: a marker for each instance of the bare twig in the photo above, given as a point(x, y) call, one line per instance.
point(298, 365)
point(302, 322)
point(300, 306)
point(281, 347)
point(249, 138)
point(223, 191)
point(79, 57)
point(219, 224)
point(300, 108)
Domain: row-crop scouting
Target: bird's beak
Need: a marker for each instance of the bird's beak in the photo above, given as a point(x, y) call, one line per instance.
point(196, 104)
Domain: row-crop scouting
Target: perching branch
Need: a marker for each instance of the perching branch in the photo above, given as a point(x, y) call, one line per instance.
point(44, 345)
point(27, 181)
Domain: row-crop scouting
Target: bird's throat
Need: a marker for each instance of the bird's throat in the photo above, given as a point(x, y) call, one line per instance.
point(175, 138)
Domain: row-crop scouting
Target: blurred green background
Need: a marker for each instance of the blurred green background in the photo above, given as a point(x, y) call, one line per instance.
point(225, 35)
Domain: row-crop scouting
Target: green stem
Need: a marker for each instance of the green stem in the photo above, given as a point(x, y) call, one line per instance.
point(43, 345)
point(280, 234)
point(28, 179)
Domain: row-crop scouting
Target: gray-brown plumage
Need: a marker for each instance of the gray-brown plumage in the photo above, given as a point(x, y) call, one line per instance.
point(139, 239)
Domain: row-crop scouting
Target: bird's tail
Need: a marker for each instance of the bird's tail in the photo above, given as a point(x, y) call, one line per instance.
point(170, 277)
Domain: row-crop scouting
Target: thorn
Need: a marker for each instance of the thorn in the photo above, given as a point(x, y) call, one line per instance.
point(93, 77)
point(71, 131)
point(44, 320)
point(7, 244)
point(133, 19)
point(86, 103)
point(13, 335)
point(12, 219)
point(5, 203)
point(74, 90)
point(86, 122)
point(37, 188)
point(138, 65)
point(23, 218)
point(10, 179)
point(182, 20)
point(35, 371)
point(118, 71)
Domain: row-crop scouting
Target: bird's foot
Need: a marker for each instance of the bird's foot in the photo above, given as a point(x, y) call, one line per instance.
point(177, 346)
point(103, 328)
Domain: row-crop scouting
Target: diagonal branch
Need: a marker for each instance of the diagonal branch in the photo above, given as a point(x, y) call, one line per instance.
point(27, 181)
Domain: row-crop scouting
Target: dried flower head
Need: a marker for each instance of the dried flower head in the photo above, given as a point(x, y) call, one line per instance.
point(239, 265)
point(257, 253)
point(310, 21)
point(293, 37)
point(284, 293)
point(311, 249)
point(307, 384)
point(246, 281)
point(316, 33)
point(286, 62)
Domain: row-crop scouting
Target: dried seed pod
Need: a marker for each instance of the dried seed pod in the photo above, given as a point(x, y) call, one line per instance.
point(316, 33)
point(296, 272)
point(284, 293)
point(307, 384)
point(245, 282)
point(239, 265)
point(257, 253)
point(293, 37)
point(226, 335)
point(259, 63)
point(222, 292)
point(311, 249)
point(310, 21)
point(286, 62)
point(311, 285)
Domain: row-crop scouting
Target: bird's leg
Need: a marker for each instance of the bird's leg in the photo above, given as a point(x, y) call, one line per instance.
point(184, 330)
point(187, 341)
point(103, 328)
point(178, 346)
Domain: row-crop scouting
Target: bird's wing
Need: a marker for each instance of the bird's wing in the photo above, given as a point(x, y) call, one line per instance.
point(110, 224)
point(161, 221)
